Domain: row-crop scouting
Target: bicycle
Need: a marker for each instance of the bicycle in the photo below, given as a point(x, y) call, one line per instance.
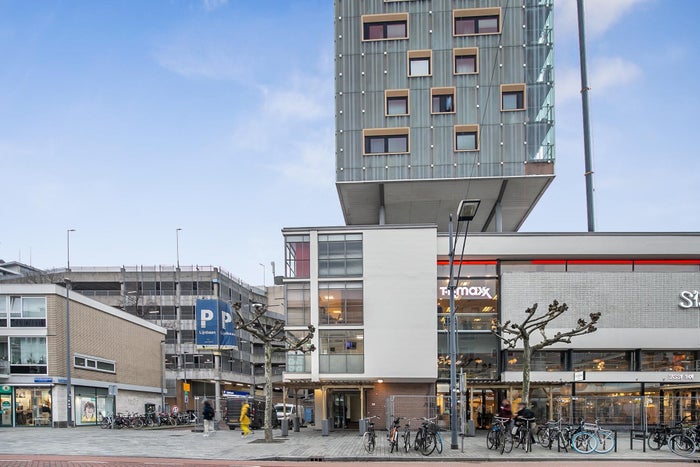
point(406, 435)
point(686, 443)
point(593, 438)
point(523, 435)
point(369, 438)
point(499, 437)
point(659, 435)
point(425, 439)
point(393, 436)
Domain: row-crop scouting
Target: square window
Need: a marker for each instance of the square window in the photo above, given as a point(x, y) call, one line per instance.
point(465, 26)
point(466, 141)
point(396, 30)
point(397, 105)
point(513, 100)
point(443, 104)
point(466, 138)
point(419, 66)
point(465, 64)
point(374, 31)
point(375, 145)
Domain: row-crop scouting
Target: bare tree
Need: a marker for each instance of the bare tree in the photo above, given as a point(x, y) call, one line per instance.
point(512, 333)
point(270, 332)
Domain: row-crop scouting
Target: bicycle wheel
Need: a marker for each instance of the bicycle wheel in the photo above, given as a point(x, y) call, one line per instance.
point(656, 440)
point(428, 444)
point(506, 441)
point(136, 423)
point(106, 423)
point(369, 441)
point(438, 442)
point(418, 441)
point(606, 441)
point(543, 436)
point(491, 439)
point(682, 445)
point(584, 442)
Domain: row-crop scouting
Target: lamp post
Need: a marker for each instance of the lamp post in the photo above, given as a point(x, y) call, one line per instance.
point(177, 246)
point(69, 401)
point(263, 266)
point(465, 212)
point(162, 375)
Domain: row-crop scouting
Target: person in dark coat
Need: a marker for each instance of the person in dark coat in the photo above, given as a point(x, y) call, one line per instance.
point(208, 416)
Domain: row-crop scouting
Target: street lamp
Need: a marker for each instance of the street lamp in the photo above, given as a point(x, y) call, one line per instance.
point(177, 246)
point(263, 266)
point(69, 402)
point(162, 374)
point(465, 212)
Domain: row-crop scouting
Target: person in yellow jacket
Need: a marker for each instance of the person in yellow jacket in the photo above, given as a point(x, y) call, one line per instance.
point(245, 419)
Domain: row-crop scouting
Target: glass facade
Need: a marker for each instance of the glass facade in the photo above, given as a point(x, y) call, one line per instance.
point(340, 255)
point(341, 351)
point(340, 303)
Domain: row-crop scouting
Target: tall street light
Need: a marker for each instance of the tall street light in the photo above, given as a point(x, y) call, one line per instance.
point(177, 246)
point(263, 266)
point(465, 212)
point(69, 402)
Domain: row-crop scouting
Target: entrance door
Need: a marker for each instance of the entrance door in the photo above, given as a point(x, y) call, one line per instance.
point(346, 409)
point(483, 407)
point(5, 409)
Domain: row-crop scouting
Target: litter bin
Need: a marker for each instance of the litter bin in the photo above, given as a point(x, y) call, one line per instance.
point(295, 424)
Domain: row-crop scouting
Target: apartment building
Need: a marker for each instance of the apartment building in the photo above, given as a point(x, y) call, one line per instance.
point(439, 101)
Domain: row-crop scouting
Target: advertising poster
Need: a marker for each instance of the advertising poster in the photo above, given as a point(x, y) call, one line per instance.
point(86, 409)
point(215, 327)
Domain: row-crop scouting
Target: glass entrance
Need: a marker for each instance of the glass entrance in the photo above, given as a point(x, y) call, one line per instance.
point(5, 409)
point(346, 409)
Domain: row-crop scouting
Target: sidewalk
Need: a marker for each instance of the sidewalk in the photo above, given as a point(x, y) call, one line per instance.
point(306, 445)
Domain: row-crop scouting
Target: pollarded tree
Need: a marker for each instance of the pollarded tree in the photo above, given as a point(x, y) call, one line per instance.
point(270, 331)
point(512, 333)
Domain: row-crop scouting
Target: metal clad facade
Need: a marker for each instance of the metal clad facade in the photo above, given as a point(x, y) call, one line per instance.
point(520, 54)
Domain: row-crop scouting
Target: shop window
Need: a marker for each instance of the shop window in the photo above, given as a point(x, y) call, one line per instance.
point(396, 102)
point(298, 304)
point(667, 360)
point(296, 256)
point(466, 138)
point(442, 100)
point(385, 27)
point(419, 63)
point(512, 97)
point(340, 303)
point(540, 361)
point(386, 141)
point(601, 361)
point(341, 351)
point(340, 255)
point(477, 356)
point(475, 21)
point(466, 61)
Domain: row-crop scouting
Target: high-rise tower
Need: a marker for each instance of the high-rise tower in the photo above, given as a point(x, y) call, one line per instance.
point(442, 100)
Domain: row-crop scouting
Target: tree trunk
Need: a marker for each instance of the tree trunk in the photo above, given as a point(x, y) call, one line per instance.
point(268, 392)
point(527, 355)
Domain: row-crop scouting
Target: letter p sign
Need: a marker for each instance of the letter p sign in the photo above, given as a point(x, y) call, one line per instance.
point(206, 316)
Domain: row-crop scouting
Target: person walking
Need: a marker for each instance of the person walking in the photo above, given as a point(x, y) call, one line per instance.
point(208, 416)
point(245, 419)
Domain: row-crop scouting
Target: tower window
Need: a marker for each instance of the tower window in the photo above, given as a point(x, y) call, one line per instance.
point(474, 21)
point(385, 27)
point(512, 97)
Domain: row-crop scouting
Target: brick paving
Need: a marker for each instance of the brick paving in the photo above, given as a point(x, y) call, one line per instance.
point(191, 448)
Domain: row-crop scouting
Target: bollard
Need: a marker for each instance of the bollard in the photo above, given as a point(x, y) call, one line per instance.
point(363, 426)
point(295, 424)
point(285, 427)
point(324, 427)
point(471, 430)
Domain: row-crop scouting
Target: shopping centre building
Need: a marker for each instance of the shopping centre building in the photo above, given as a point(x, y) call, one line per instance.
point(378, 296)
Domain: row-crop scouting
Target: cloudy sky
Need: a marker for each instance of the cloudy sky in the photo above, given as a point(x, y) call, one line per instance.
point(126, 120)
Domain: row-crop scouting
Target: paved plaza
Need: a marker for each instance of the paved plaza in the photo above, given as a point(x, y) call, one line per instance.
point(306, 445)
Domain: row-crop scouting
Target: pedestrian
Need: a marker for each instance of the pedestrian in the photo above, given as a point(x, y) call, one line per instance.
point(245, 419)
point(208, 416)
point(505, 410)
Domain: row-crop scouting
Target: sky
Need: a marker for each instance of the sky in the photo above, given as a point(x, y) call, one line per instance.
point(127, 120)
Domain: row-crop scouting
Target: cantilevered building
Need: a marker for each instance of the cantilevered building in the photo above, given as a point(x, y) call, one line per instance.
point(442, 100)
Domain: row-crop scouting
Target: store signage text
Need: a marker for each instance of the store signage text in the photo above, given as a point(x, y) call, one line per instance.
point(690, 299)
point(681, 377)
point(468, 291)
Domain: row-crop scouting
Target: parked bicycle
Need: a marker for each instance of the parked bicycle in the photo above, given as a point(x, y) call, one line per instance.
point(659, 435)
point(393, 436)
point(523, 435)
point(686, 443)
point(499, 437)
point(369, 438)
point(426, 437)
point(406, 435)
point(593, 438)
